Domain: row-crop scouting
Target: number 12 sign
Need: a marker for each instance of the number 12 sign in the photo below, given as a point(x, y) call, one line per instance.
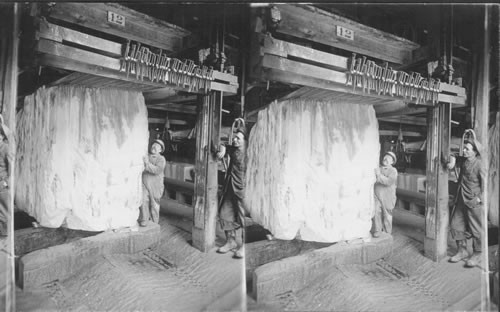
point(345, 33)
point(116, 18)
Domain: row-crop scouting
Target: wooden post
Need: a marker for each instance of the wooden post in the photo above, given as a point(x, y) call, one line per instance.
point(437, 211)
point(205, 193)
point(481, 119)
point(9, 46)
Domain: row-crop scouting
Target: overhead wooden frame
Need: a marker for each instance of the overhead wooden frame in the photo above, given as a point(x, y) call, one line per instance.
point(127, 23)
point(76, 50)
point(317, 25)
point(286, 62)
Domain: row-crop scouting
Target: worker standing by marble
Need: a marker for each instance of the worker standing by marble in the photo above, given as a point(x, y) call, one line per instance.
point(466, 218)
point(152, 184)
point(385, 194)
point(231, 210)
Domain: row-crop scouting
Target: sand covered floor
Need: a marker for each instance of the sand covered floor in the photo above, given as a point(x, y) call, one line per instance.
point(403, 281)
point(172, 277)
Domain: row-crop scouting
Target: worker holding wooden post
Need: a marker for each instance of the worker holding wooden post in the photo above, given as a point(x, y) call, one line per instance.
point(152, 184)
point(468, 209)
point(385, 194)
point(231, 210)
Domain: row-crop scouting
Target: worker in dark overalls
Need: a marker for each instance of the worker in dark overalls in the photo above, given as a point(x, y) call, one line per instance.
point(152, 184)
point(6, 161)
point(467, 215)
point(231, 210)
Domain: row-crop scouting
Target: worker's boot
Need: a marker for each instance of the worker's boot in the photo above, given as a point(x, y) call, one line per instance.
point(230, 243)
point(474, 260)
point(239, 253)
point(462, 252)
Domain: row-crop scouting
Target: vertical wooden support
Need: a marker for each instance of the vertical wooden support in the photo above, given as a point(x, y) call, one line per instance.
point(436, 193)
point(9, 45)
point(205, 193)
point(481, 119)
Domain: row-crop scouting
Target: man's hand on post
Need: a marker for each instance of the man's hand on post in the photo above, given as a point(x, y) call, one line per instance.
point(451, 163)
point(221, 152)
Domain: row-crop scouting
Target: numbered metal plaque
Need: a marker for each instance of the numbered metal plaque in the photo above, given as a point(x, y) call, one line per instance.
point(116, 18)
point(345, 33)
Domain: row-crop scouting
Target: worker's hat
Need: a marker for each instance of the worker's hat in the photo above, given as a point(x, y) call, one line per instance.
point(160, 142)
point(392, 155)
point(241, 130)
point(476, 146)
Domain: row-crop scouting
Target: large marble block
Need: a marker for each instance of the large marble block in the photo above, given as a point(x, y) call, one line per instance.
point(311, 169)
point(79, 157)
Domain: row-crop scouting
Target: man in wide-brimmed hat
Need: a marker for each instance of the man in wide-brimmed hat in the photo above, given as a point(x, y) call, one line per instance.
point(152, 184)
point(466, 218)
point(385, 194)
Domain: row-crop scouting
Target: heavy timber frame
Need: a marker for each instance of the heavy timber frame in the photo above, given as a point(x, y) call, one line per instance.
point(76, 37)
point(290, 63)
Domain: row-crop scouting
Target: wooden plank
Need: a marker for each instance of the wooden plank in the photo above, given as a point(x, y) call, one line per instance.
point(217, 75)
point(289, 71)
point(171, 107)
point(286, 49)
point(167, 95)
point(396, 133)
point(30, 239)
point(437, 212)
point(457, 101)
point(226, 88)
point(68, 52)
point(409, 120)
point(262, 252)
point(70, 61)
point(452, 89)
point(279, 63)
point(138, 27)
point(317, 25)
point(402, 111)
point(60, 34)
point(157, 120)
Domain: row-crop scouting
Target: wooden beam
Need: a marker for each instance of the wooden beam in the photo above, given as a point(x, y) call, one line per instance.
point(308, 22)
point(290, 50)
point(69, 58)
point(137, 26)
point(59, 34)
point(206, 186)
point(68, 52)
point(303, 69)
point(404, 111)
point(437, 210)
point(409, 120)
point(171, 107)
point(289, 71)
point(262, 252)
point(396, 133)
point(166, 95)
point(157, 120)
